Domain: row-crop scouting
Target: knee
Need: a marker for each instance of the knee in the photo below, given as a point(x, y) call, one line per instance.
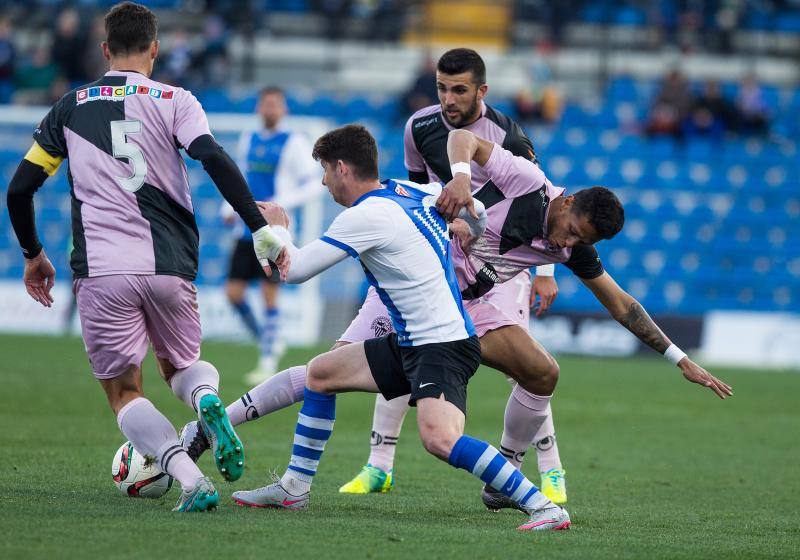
point(542, 379)
point(438, 441)
point(234, 293)
point(318, 375)
point(550, 376)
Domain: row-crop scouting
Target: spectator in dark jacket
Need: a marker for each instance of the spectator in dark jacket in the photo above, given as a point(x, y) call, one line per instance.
point(69, 47)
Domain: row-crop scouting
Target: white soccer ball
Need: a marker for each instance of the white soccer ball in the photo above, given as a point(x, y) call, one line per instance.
point(136, 478)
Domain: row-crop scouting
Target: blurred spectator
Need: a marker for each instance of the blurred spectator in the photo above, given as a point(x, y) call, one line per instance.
point(33, 80)
point(7, 60)
point(539, 101)
point(95, 63)
point(212, 61)
point(179, 59)
point(386, 20)
point(539, 105)
point(670, 107)
point(423, 91)
point(711, 113)
point(69, 47)
point(335, 13)
point(753, 111)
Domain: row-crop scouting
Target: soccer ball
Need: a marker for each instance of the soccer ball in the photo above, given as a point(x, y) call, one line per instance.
point(137, 478)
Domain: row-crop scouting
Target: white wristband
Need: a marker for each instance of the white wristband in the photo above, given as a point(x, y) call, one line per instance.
point(461, 167)
point(674, 354)
point(546, 270)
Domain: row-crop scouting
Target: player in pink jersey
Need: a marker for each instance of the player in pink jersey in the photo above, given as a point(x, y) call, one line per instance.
point(538, 224)
point(136, 242)
point(462, 87)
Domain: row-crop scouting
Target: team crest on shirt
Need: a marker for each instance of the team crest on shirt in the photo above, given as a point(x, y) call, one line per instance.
point(401, 191)
point(119, 93)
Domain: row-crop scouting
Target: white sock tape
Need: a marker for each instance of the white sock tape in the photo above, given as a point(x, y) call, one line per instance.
point(674, 354)
point(461, 167)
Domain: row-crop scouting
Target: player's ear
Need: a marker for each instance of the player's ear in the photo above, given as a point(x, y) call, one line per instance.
point(154, 48)
point(482, 89)
point(106, 51)
point(566, 206)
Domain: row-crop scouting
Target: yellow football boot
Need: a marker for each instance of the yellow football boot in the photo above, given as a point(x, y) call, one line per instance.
point(370, 480)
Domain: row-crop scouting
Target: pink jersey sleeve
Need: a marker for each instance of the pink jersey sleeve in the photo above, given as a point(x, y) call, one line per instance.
point(190, 119)
point(513, 175)
point(411, 156)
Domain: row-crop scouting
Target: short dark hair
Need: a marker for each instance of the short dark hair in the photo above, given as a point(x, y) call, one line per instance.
point(352, 144)
point(130, 28)
point(271, 90)
point(458, 61)
point(602, 208)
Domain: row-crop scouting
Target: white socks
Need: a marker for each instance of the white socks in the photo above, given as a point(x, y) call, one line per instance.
point(152, 435)
point(194, 382)
point(387, 421)
point(546, 445)
point(525, 414)
point(279, 391)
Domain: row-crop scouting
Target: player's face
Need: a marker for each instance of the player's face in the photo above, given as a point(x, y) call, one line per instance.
point(460, 97)
point(333, 180)
point(569, 228)
point(271, 108)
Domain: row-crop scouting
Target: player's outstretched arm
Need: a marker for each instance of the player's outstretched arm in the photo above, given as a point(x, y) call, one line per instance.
point(233, 187)
point(299, 264)
point(39, 274)
point(631, 315)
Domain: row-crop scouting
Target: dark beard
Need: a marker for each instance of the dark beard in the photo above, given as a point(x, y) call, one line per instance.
point(471, 115)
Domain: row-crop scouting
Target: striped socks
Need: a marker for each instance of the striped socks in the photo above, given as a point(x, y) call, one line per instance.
point(486, 462)
point(269, 331)
point(314, 427)
point(248, 318)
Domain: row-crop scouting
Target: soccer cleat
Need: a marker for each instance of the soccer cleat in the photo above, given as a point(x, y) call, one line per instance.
point(549, 518)
point(271, 496)
point(193, 440)
point(225, 444)
point(370, 480)
point(203, 497)
point(495, 501)
point(554, 485)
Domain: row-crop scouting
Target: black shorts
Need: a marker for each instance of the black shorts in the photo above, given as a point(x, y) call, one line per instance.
point(245, 265)
point(423, 371)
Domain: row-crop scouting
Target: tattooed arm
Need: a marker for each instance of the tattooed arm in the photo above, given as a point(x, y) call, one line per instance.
point(630, 314)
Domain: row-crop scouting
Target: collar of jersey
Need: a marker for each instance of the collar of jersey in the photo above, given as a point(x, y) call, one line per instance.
point(376, 192)
point(123, 72)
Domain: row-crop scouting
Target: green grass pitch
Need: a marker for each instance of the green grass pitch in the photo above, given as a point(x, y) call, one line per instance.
point(656, 468)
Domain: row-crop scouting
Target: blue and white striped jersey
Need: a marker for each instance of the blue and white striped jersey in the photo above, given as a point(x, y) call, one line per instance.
point(402, 243)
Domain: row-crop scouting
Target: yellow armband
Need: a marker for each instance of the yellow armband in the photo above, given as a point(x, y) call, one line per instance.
point(38, 156)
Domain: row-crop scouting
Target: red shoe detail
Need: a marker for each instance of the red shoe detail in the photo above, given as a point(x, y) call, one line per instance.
point(529, 526)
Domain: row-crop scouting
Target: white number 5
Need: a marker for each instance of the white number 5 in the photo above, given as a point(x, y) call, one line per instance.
point(131, 152)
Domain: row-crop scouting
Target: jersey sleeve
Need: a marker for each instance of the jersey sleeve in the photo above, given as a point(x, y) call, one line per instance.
point(359, 229)
point(49, 135)
point(191, 121)
point(513, 175)
point(413, 160)
point(584, 262)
